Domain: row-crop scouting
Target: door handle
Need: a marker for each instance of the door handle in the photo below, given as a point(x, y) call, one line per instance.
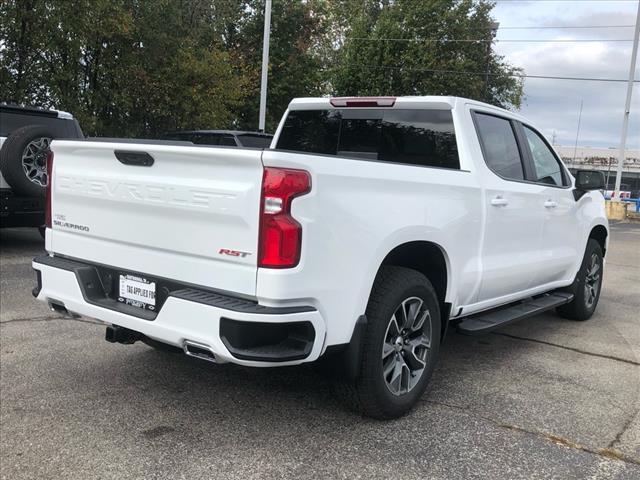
point(499, 201)
point(550, 204)
point(137, 159)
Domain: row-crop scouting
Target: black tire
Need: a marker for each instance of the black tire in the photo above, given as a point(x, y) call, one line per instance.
point(11, 154)
point(371, 393)
point(586, 288)
point(43, 231)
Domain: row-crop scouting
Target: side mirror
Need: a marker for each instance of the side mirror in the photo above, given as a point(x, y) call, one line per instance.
point(590, 180)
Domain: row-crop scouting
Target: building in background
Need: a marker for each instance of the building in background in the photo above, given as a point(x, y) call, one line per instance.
point(605, 159)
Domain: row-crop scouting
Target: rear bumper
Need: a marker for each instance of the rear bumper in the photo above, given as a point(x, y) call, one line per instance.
point(235, 330)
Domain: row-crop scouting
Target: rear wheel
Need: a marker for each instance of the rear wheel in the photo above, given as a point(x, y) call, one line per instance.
point(587, 285)
point(400, 345)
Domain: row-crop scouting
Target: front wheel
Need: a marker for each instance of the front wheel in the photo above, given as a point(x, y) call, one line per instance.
point(587, 285)
point(400, 345)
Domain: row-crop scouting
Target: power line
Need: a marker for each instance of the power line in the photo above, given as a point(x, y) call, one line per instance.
point(563, 27)
point(515, 75)
point(562, 40)
point(586, 79)
point(560, 1)
point(466, 40)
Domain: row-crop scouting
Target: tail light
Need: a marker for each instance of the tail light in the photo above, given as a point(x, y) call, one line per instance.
point(47, 212)
point(280, 234)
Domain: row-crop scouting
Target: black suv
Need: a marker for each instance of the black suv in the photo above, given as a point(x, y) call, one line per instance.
point(25, 135)
point(223, 138)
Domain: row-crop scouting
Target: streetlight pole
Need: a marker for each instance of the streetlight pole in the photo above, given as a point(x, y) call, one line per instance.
point(265, 65)
point(627, 108)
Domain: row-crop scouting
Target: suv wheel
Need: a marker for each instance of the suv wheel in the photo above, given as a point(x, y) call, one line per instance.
point(23, 159)
point(400, 346)
point(587, 285)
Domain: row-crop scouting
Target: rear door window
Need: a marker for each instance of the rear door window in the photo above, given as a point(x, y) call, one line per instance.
point(499, 146)
point(414, 137)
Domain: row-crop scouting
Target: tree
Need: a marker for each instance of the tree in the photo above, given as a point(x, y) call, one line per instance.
point(123, 67)
point(430, 47)
point(144, 67)
point(296, 68)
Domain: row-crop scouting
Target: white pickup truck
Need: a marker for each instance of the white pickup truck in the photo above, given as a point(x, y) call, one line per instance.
point(368, 228)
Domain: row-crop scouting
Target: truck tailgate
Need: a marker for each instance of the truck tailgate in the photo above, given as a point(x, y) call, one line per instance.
point(191, 216)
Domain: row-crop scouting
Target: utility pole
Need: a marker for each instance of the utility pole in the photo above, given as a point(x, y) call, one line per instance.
point(575, 147)
point(627, 108)
point(265, 65)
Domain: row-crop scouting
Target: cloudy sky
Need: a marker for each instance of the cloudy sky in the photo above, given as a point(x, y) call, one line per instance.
point(554, 104)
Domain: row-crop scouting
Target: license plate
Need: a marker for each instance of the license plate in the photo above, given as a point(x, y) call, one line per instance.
point(138, 292)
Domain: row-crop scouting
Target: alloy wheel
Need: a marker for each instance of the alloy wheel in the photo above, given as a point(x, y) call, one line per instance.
point(592, 281)
point(406, 346)
point(34, 160)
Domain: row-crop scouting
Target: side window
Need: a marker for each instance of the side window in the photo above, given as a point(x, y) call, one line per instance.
point(546, 165)
point(205, 139)
point(499, 146)
point(59, 127)
point(13, 120)
point(254, 141)
point(228, 141)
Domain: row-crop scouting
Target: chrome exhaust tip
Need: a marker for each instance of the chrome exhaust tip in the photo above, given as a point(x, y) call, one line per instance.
point(199, 350)
point(58, 307)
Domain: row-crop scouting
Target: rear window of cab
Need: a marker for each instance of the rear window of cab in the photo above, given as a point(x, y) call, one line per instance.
point(407, 136)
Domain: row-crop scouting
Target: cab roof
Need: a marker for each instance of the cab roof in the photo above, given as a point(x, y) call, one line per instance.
point(406, 102)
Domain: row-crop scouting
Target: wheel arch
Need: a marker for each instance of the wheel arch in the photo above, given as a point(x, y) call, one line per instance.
point(430, 259)
point(600, 234)
point(433, 262)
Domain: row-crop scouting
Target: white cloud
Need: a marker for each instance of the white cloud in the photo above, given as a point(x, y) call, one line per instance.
point(553, 104)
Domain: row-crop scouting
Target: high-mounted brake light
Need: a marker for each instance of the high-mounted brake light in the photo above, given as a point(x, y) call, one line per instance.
point(363, 101)
point(47, 211)
point(280, 234)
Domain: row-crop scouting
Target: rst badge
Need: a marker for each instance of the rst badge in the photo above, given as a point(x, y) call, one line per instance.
point(233, 253)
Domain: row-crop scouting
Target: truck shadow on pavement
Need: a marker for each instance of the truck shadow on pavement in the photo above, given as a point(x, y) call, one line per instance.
point(18, 241)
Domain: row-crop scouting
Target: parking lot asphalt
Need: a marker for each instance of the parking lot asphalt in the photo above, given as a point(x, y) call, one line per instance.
point(543, 398)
